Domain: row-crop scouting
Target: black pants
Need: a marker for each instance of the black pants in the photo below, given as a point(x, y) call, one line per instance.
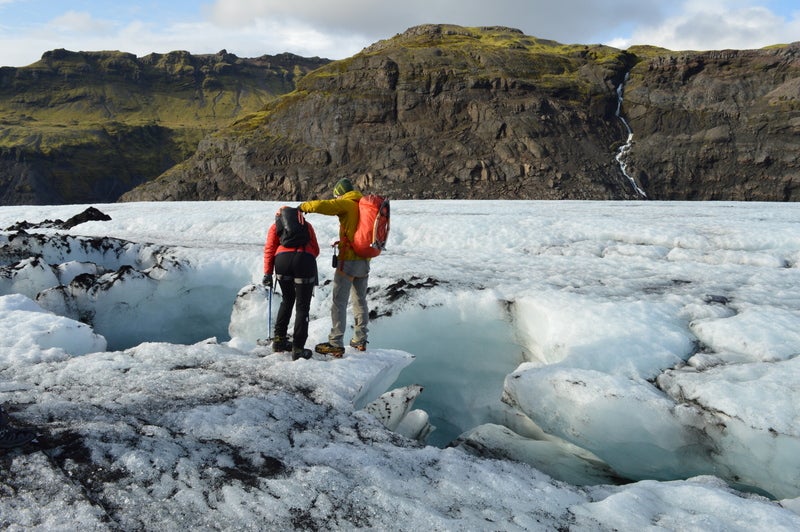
point(297, 276)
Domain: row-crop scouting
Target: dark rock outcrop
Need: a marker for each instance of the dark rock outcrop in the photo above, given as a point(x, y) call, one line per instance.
point(90, 214)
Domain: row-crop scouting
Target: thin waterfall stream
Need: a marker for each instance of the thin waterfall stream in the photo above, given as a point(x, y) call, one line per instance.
point(622, 153)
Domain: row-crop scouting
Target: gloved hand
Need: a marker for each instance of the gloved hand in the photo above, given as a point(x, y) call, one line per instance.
point(267, 280)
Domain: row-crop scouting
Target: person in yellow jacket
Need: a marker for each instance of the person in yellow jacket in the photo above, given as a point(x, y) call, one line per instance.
point(352, 271)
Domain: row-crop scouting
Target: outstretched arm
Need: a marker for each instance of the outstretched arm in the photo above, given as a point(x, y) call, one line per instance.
point(334, 207)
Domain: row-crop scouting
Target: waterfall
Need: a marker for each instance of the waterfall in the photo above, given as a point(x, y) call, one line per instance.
point(625, 148)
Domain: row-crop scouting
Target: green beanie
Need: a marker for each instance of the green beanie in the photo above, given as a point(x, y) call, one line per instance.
point(342, 187)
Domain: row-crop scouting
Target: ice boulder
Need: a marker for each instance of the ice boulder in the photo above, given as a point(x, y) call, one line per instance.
point(626, 422)
point(46, 337)
point(749, 414)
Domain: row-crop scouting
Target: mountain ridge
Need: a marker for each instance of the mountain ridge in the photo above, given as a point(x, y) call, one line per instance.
point(422, 115)
point(445, 111)
point(78, 127)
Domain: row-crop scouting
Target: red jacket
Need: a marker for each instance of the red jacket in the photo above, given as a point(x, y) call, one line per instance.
point(273, 246)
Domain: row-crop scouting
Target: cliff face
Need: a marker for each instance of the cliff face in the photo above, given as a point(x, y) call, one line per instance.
point(721, 125)
point(437, 112)
point(81, 127)
point(452, 112)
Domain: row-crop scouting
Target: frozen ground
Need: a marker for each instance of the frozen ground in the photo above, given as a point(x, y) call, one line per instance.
point(643, 353)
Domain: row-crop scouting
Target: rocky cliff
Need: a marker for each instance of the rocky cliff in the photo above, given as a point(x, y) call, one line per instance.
point(79, 127)
point(721, 125)
point(451, 112)
point(437, 112)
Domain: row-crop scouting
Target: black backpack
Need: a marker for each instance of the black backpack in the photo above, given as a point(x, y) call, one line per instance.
point(292, 227)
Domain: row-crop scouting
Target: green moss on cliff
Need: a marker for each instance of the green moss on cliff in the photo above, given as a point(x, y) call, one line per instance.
point(485, 54)
point(81, 118)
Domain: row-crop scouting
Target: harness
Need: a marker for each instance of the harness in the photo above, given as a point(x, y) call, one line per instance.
point(297, 280)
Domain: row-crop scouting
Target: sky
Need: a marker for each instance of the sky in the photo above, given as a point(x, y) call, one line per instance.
point(339, 29)
point(657, 341)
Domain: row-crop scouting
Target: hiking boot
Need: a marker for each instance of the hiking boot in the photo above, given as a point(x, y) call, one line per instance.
point(360, 346)
point(335, 351)
point(298, 353)
point(281, 344)
point(11, 437)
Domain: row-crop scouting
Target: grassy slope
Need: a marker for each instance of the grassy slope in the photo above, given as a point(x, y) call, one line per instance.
point(97, 123)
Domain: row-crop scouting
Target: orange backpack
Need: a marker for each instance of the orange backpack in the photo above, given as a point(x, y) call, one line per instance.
point(373, 226)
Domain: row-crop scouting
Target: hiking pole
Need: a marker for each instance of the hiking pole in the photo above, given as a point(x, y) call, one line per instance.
point(269, 314)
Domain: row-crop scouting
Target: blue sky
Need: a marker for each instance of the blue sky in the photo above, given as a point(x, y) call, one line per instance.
point(338, 29)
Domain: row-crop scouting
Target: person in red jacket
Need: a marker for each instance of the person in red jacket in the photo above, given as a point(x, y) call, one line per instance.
point(295, 267)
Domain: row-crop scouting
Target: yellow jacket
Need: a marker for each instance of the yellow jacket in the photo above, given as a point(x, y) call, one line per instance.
point(346, 208)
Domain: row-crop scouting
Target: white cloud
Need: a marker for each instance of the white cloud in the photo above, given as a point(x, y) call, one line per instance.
point(566, 20)
point(342, 14)
point(339, 29)
point(712, 24)
point(75, 21)
point(715, 26)
point(262, 37)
